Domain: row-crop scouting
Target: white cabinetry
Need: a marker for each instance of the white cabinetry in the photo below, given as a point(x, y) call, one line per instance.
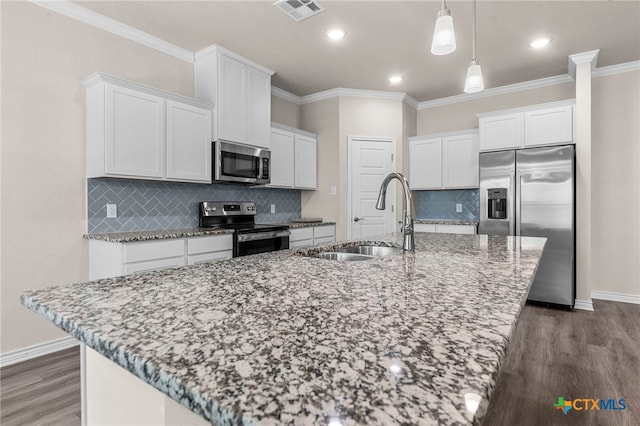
point(445, 229)
point(447, 160)
point(241, 91)
point(312, 235)
point(536, 125)
point(111, 259)
point(138, 132)
point(293, 158)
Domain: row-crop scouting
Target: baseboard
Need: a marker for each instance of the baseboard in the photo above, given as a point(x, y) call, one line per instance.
point(583, 305)
point(34, 351)
point(616, 297)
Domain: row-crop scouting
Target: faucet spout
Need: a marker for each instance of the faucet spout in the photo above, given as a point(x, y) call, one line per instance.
point(408, 243)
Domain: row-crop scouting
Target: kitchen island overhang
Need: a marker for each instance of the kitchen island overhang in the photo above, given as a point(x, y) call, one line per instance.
point(283, 337)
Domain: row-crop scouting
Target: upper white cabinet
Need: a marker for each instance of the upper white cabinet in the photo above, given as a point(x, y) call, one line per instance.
point(536, 125)
point(293, 158)
point(138, 132)
point(241, 91)
point(444, 161)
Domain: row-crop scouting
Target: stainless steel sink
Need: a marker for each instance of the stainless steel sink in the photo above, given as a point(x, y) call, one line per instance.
point(377, 251)
point(331, 255)
point(359, 253)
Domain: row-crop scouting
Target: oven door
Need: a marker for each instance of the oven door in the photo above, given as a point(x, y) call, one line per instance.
point(240, 163)
point(245, 244)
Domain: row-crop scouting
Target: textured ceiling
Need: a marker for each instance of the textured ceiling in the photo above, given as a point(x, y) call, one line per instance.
point(387, 37)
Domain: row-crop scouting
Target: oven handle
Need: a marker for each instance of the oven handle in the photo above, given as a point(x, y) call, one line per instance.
point(262, 236)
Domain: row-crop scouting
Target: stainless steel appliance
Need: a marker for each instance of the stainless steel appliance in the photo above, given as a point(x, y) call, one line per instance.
point(248, 237)
point(531, 192)
point(236, 163)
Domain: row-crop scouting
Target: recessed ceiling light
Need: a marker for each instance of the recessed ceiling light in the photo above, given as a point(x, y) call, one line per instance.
point(395, 79)
point(336, 33)
point(540, 42)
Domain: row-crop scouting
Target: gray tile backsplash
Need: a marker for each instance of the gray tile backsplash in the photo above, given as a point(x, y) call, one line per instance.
point(442, 204)
point(146, 205)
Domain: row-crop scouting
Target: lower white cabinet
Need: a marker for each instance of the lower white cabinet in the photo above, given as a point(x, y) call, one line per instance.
point(313, 235)
point(444, 229)
point(205, 249)
point(112, 259)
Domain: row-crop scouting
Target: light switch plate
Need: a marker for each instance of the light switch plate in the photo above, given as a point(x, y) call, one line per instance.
point(334, 190)
point(458, 208)
point(273, 208)
point(112, 211)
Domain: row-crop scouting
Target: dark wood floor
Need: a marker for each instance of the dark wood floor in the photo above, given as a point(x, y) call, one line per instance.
point(553, 353)
point(42, 391)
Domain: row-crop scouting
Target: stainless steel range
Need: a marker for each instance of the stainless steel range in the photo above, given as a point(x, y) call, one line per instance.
point(248, 237)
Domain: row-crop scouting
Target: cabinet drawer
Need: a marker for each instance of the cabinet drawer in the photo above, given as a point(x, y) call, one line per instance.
point(206, 257)
point(324, 231)
point(300, 243)
point(424, 227)
point(324, 240)
point(197, 245)
point(148, 250)
point(153, 265)
point(301, 234)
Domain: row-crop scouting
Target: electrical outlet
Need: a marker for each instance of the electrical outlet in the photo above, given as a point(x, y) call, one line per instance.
point(334, 190)
point(112, 211)
point(273, 208)
point(458, 208)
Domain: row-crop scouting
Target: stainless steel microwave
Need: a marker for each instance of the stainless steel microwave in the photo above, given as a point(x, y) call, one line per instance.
point(236, 163)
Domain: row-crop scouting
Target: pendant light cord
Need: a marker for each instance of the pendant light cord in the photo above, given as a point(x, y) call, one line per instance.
point(474, 30)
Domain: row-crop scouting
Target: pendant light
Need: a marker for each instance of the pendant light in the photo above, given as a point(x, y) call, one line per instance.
point(474, 82)
point(444, 37)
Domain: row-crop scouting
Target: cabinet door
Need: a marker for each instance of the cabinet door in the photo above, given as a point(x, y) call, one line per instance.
point(259, 108)
point(456, 229)
point(232, 101)
point(460, 161)
point(425, 163)
point(501, 132)
point(424, 227)
point(134, 133)
point(188, 142)
point(281, 158)
point(548, 126)
point(305, 163)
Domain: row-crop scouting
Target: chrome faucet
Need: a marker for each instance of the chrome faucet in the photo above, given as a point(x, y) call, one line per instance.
point(407, 208)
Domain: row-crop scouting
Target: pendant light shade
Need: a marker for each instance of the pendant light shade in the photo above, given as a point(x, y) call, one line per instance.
point(444, 37)
point(474, 82)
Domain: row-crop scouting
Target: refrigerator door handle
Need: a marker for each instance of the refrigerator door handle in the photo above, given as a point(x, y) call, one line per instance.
point(512, 218)
point(518, 202)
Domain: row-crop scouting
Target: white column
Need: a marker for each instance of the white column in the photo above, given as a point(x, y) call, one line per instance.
point(580, 68)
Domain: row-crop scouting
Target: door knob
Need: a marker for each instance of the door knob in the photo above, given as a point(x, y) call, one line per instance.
point(357, 219)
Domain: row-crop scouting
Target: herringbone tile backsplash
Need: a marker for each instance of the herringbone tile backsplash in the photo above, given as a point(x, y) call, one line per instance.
point(442, 204)
point(144, 205)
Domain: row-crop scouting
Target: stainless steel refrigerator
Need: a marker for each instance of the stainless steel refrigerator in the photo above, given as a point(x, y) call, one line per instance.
point(531, 192)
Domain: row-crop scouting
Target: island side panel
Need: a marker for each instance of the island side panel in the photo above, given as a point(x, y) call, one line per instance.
point(116, 397)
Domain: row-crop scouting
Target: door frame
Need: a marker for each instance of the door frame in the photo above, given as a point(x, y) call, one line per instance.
point(381, 139)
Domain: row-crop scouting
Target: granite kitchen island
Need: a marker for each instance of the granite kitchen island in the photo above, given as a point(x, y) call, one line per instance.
point(285, 338)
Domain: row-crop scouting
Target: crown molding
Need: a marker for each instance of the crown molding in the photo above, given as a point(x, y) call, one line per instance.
point(216, 48)
point(287, 96)
point(581, 58)
point(359, 93)
point(94, 19)
point(616, 69)
point(502, 90)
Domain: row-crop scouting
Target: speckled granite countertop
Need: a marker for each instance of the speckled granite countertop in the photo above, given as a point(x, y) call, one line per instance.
point(446, 222)
point(128, 237)
point(282, 338)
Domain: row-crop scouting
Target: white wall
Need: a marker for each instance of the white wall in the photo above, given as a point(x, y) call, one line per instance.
point(45, 55)
point(285, 112)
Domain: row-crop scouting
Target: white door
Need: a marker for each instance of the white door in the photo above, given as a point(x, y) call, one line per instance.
point(370, 161)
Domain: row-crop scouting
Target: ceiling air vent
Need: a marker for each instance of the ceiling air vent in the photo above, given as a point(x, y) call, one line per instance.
point(299, 9)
